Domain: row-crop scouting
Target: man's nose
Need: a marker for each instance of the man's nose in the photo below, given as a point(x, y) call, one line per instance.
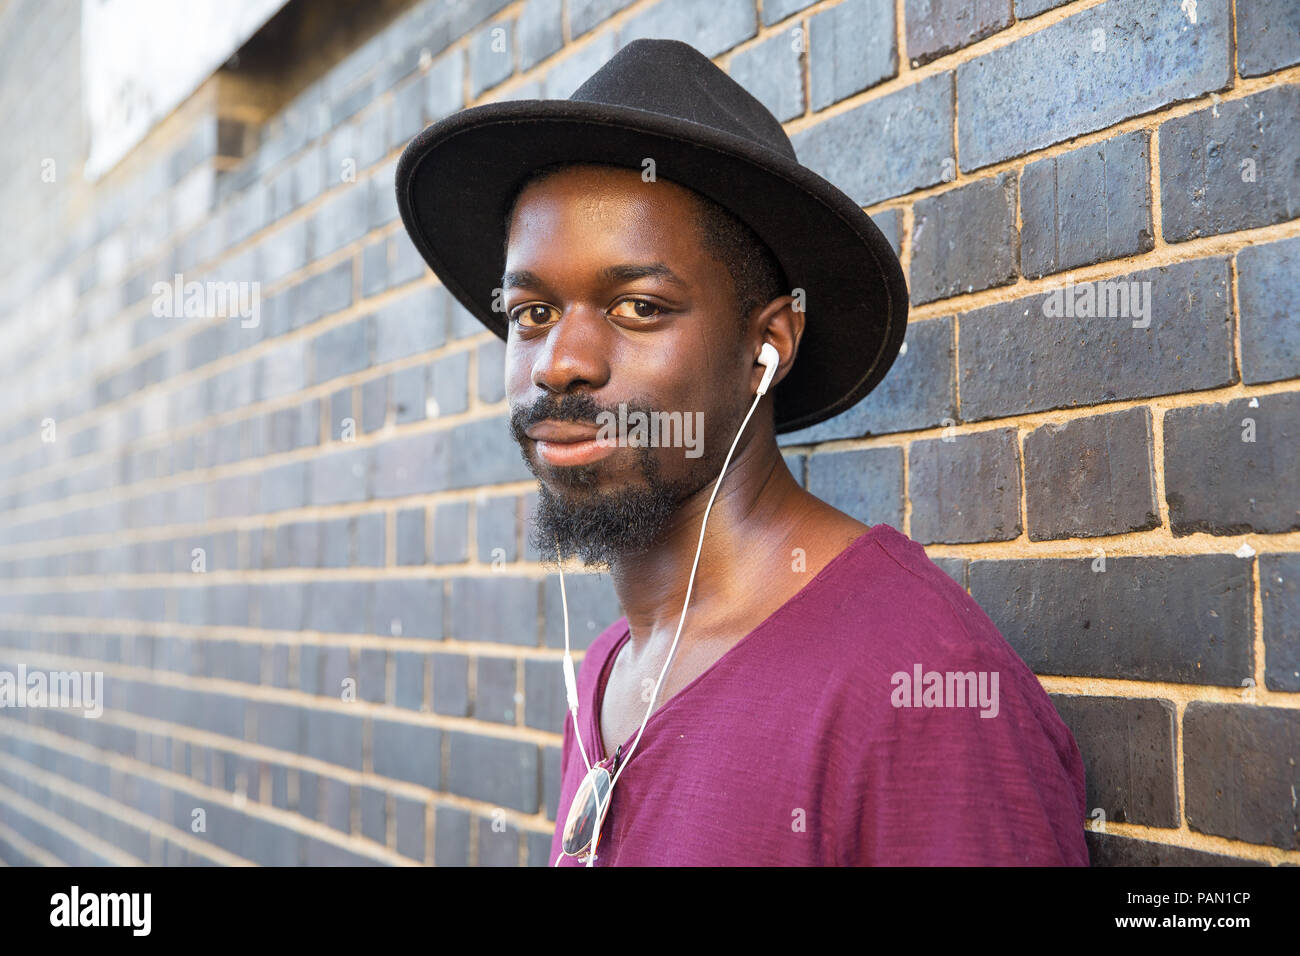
point(576, 352)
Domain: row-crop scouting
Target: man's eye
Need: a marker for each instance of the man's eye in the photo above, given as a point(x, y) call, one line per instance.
point(528, 317)
point(637, 305)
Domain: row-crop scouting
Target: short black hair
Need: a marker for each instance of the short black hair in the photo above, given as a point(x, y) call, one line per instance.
point(756, 275)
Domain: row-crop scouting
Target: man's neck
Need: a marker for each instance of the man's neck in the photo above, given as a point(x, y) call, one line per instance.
point(754, 522)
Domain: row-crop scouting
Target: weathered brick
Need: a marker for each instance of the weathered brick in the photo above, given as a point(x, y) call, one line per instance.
point(1268, 286)
point(451, 837)
point(495, 521)
point(374, 268)
point(919, 391)
point(373, 814)
point(541, 31)
point(773, 10)
point(412, 324)
point(332, 737)
point(1091, 476)
point(340, 606)
point(593, 606)
point(340, 477)
point(551, 780)
point(1129, 759)
point(851, 48)
point(1268, 36)
point(866, 484)
point(494, 690)
point(1086, 72)
point(544, 703)
point(408, 394)
point(497, 609)
point(409, 752)
point(939, 27)
point(491, 359)
point(964, 239)
point(409, 668)
point(491, 56)
point(1032, 8)
point(1241, 773)
point(1086, 206)
point(772, 70)
point(1231, 166)
point(451, 533)
point(408, 607)
point(1185, 619)
point(320, 295)
point(451, 685)
point(339, 351)
point(450, 385)
point(498, 843)
point(1108, 849)
point(409, 827)
point(410, 536)
point(712, 28)
point(1016, 358)
point(538, 848)
point(1234, 469)
point(1279, 588)
point(494, 770)
point(888, 146)
point(966, 489)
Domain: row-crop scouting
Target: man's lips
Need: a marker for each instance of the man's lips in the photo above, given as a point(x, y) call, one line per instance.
point(568, 443)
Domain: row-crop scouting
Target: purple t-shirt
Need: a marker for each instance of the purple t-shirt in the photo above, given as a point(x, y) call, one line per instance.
point(878, 717)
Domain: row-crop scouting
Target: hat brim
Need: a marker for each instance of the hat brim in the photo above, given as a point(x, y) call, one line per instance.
point(455, 180)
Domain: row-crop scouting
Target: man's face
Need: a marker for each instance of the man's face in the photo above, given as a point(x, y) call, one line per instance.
point(611, 300)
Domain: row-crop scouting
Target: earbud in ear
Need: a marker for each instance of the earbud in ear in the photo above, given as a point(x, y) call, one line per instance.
point(769, 359)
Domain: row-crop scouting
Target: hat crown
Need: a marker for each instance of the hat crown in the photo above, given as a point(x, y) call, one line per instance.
point(674, 79)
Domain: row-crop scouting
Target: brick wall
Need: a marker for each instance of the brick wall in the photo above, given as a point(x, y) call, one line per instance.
point(296, 549)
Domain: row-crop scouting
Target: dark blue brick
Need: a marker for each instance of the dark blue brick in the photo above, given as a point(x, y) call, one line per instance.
point(1231, 468)
point(866, 484)
point(1086, 206)
point(772, 71)
point(1279, 589)
point(1015, 358)
point(939, 27)
point(498, 609)
point(408, 607)
point(852, 47)
point(1181, 619)
point(888, 146)
point(1268, 35)
point(1268, 286)
point(410, 536)
point(1231, 166)
point(497, 771)
point(409, 752)
point(966, 489)
point(339, 351)
point(1051, 85)
point(919, 391)
point(711, 28)
point(964, 239)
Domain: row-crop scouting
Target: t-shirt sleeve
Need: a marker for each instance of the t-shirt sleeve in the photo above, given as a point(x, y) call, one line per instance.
point(945, 786)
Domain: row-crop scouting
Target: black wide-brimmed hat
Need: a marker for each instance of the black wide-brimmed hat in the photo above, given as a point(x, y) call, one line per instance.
point(665, 100)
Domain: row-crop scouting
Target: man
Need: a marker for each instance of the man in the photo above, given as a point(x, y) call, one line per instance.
point(788, 685)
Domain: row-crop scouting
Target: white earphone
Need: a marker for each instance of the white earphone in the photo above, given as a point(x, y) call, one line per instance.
point(769, 358)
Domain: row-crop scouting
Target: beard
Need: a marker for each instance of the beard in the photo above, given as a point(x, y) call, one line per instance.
point(573, 517)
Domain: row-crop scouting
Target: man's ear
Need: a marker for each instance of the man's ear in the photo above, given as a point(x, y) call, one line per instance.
point(781, 324)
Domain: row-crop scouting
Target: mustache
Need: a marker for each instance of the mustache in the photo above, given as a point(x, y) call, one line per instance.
point(577, 407)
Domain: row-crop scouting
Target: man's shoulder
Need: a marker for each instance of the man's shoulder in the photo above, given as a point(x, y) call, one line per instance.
point(888, 586)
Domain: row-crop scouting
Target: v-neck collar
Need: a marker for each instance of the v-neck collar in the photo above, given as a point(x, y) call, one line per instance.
point(593, 717)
